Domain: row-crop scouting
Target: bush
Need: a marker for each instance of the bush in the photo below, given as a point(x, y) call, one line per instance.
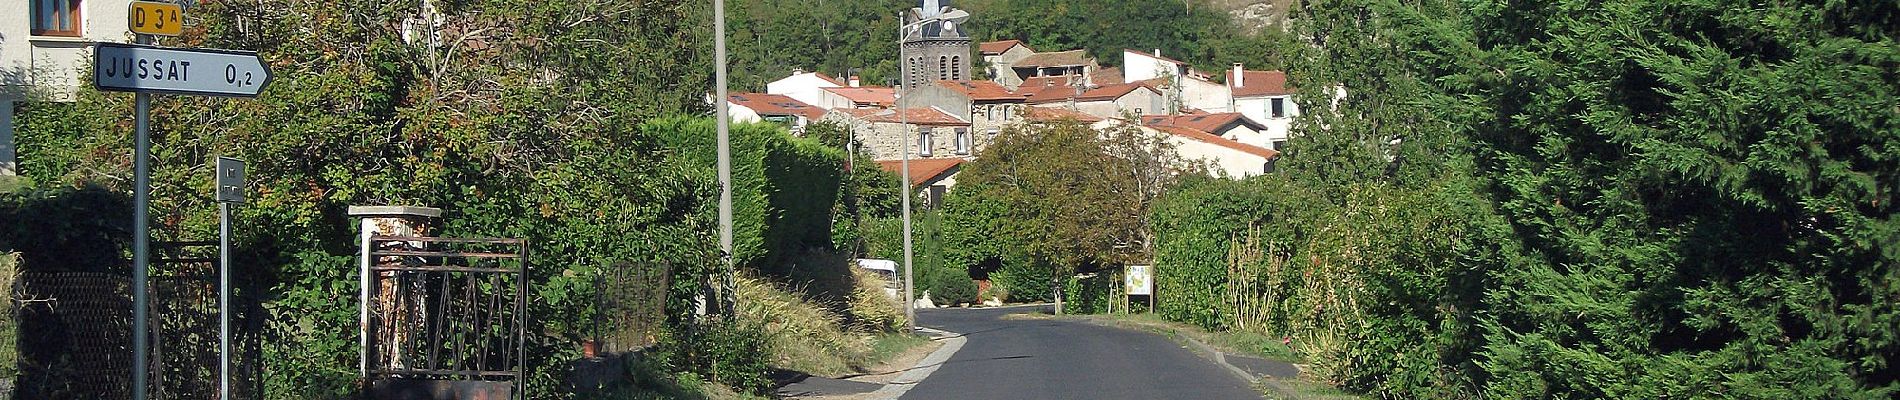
point(950, 287)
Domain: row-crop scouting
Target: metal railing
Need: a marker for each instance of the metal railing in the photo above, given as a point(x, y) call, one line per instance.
point(446, 309)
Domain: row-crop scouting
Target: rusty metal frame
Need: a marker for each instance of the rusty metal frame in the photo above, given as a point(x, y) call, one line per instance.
point(435, 270)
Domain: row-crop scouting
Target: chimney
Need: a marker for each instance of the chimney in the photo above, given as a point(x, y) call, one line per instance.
point(854, 81)
point(1240, 76)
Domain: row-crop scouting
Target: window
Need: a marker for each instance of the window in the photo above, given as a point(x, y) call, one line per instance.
point(923, 143)
point(1278, 107)
point(956, 68)
point(963, 141)
point(943, 68)
point(56, 17)
point(1279, 145)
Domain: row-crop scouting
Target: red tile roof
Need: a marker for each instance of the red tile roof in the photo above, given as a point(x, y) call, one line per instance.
point(876, 96)
point(1107, 76)
point(1036, 84)
point(772, 104)
point(1260, 83)
point(982, 90)
point(828, 78)
point(1203, 122)
point(1000, 46)
point(1050, 114)
point(923, 170)
point(1218, 141)
point(1104, 92)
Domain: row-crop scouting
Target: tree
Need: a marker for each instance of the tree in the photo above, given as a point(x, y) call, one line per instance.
point(1063, 195)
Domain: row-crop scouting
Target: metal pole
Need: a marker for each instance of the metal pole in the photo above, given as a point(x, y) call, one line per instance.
point(725, 148)
point(224, 300)
point(141, 238)
point(903, 120)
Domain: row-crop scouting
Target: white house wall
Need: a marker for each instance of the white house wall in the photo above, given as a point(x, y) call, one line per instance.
point(804, 87)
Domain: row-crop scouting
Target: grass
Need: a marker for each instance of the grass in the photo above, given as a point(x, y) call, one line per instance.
point(890, 345)
point(807, 337)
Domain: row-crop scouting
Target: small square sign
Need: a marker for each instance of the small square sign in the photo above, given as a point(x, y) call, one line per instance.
point(1139, 280)
point(230, 180)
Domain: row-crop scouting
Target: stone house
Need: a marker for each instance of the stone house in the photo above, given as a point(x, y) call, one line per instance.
point(1108, 101)
point(986, 105)
point(933, 133)
point(930, 178)
point(1001, 57)
point(1072, 64)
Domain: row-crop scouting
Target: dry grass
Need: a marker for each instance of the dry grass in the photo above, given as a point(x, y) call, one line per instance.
point(807, 337)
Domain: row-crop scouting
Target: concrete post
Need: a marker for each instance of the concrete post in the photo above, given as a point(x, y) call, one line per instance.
point(388, 221)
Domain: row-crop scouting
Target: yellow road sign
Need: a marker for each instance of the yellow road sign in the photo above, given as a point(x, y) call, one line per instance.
point(155, 18)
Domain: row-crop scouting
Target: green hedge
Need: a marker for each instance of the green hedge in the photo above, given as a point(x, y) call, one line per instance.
point(785, 189)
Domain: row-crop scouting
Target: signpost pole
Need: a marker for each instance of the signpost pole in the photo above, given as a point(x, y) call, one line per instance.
point(141, 235)
point(224, 300)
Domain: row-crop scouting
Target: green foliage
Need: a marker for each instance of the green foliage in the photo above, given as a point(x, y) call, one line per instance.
point(730, 351)
point(786, 189)
point(949, 286)
point(9, 316)
point(1046, 201)
point(1569, 200)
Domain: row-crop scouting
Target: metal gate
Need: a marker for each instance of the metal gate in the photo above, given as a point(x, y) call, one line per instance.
point(445, 315)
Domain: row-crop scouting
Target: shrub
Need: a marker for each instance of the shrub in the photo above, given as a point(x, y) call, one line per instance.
point(950, 287)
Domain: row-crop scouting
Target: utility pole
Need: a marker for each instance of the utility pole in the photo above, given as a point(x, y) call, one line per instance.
point(903, 119)
point(725, 146)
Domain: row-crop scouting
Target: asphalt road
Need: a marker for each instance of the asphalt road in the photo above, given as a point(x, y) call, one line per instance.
point(1059, 359)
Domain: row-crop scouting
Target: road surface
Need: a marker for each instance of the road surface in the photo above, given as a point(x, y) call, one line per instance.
point(1019, 358)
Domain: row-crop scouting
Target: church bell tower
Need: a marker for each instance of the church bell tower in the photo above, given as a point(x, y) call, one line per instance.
point(936, 47)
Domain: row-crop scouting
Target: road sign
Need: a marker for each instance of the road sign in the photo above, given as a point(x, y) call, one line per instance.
point(230, 180)
point(1140, 280)
point(155, 18)
point(152, 69)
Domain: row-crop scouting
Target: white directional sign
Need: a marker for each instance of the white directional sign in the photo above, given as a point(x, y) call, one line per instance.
point(204, 72)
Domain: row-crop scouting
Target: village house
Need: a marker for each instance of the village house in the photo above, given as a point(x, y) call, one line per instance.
point(856, 97)
point(986, 105)
point(1226, 157)
point(1184, 86)
point(804, 86)
point(44, 48)
point(933, 132)
point(1001, 57)
point(1072, 65)
point(930, 178)
point(1108, 101)
point(1230, 126)
point(779, 109)
point(1264, 96)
